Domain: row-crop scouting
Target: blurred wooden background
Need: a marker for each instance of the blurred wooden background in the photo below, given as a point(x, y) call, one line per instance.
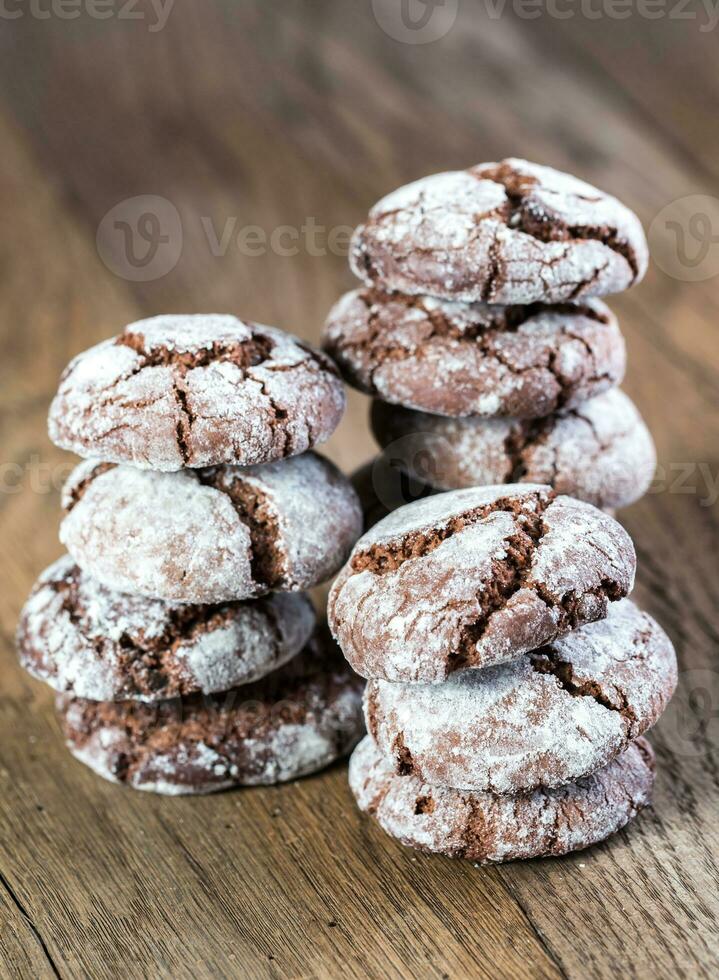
point(260, 115)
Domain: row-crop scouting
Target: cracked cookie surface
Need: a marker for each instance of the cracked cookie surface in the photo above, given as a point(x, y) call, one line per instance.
point(545, 719)
point(508, 232)
point(600, 451)
point(293, 722)
point(459, 359)
point(475, 577)
point(211, 535)
point(81, 637)
point(177, 391)
point(489, 829)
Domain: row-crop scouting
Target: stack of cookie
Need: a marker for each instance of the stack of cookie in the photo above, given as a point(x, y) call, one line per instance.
point(511, 681)
point(176, 629)
point(480, 336)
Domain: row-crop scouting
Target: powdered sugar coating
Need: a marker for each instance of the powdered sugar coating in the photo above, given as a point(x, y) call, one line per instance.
point(83, 638)
point(175, 391)
point(475, 577)
point(601, 451)
point(459, 359)
point(508, 232)
point(293, 722)
point(543, 720)
point(210, 535)
point(490, 829)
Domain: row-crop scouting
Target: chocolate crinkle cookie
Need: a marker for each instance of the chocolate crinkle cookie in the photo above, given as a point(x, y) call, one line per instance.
point(81, 637)
point(475, 577)
point(545, 719)
point(293, 722)
point(459, 359)
point(508, 232)
point(177, 391)
point(211, 535)
point(488, 828)
point(601, 451)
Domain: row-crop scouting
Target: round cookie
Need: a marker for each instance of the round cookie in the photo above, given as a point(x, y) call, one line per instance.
point(475, 577)
point(291, 723)
point(545, 719)
point(508, 232)
point(86, 639)
point(210, 535)
point(489, 829)
point(600, 451)
point(177, 391)
point(460, 359)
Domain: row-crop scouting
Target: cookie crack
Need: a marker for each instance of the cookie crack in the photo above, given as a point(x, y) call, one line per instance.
point(523, 436)
point(405, 765)
point(546, 660)
point(525, 215)
point(279, 417)
point(509, 574)
point(268, 566)
point(147, 660)
point(243, 353)
point(501, 320)
point(186, 418)
point(75, 493)
point(381, 558)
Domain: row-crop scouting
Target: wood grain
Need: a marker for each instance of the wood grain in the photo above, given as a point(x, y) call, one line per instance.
point(273, 114)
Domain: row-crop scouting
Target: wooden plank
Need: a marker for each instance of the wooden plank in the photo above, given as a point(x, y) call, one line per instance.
point(293, 881)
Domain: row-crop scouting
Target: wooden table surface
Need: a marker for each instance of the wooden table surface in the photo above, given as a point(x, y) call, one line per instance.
point(282, 114)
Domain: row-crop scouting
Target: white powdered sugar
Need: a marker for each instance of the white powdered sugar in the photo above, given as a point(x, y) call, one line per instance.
point(487, 828)
point(178, 391)
point(541, 720)
point(173, 536)
point(481, 235)
point(163, 535)
point(433, 608)
point(462, 360)
point(600, 452)
point(189, 333)
point(83, 638)
point(435, 512)
point(318, 517)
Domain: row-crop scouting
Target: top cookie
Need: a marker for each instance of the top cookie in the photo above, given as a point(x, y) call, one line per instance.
point(475, 577)
point(508, 232)
point(177, 391)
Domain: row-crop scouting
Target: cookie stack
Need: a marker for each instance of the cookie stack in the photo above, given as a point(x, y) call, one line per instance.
point(176, 630)
point(480, 337)
point(510, 679)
